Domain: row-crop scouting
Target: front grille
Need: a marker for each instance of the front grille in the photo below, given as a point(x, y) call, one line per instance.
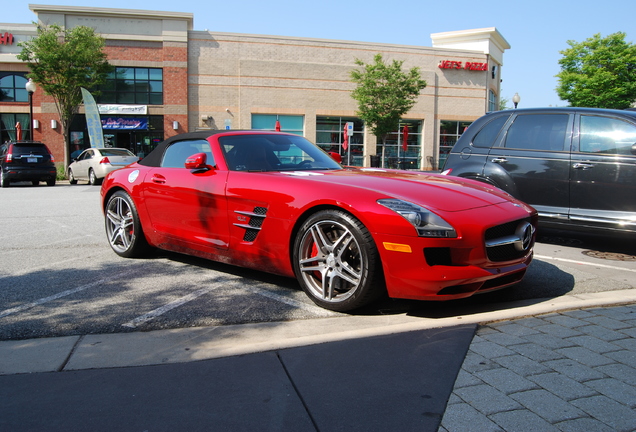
point(509, 241)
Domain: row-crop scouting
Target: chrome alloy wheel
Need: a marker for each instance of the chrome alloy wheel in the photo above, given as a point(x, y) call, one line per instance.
point(330, 261)
point(120, 224)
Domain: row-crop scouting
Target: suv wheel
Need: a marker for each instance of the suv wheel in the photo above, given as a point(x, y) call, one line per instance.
point(4, 182)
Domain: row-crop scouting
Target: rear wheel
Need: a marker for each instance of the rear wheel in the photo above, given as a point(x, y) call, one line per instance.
point(336, 261)
point(92, 178)
point(71, 177)
point(50, 182)
point(123, 227)
point(35, 182)
point(4, 181)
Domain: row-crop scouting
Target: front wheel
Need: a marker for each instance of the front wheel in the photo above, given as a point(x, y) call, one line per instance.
point(71, 177)
point(336, 261)
point(123, 227)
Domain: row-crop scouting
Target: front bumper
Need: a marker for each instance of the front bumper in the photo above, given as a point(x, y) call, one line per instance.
point(447, 269)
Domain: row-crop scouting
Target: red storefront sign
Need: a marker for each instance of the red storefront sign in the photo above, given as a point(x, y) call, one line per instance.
point(6, 38)
point(473, 66)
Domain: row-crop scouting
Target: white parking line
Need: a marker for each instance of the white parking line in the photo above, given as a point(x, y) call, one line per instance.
point(295, 303)
point(43, 300)
point(168, 307)
point(584, 263)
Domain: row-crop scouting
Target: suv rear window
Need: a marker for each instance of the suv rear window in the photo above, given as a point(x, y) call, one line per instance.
point(26, 149)
point(487, 135)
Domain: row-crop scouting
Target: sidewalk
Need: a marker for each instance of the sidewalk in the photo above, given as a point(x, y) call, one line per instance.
point(560, 364)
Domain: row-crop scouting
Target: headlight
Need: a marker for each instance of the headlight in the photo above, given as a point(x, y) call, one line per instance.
point(427, 223)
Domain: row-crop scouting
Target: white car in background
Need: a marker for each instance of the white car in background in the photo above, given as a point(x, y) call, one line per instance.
point(94, 163)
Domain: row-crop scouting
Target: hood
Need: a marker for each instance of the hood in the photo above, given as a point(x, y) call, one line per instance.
point(434, 191)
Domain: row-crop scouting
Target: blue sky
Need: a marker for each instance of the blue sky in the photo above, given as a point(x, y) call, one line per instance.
point(536, 30)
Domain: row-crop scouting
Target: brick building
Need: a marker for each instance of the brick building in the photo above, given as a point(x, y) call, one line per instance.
point(170, 79)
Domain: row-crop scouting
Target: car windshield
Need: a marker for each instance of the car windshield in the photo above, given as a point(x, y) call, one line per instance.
point(270, 152)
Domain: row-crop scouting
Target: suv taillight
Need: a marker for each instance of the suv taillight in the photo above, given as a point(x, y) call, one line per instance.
point(52, 157)
point(104, 160)
point(10, 153)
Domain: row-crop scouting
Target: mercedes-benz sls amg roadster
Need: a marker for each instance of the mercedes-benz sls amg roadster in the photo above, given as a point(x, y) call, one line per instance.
point(276, 202)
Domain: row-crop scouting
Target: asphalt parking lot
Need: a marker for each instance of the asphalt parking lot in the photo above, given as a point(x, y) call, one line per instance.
point(59, 276)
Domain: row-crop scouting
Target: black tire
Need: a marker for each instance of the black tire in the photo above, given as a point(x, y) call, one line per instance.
point(50, 182)
point(4, 181)
point(337, 262)
point(35, 182)
point(71, 177)
point(123, 227)
point(92, 178)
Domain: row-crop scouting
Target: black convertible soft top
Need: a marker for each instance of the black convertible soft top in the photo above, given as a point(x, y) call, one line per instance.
point(154, 157)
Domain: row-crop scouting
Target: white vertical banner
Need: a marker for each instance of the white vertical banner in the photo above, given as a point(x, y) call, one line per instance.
point(93, 120)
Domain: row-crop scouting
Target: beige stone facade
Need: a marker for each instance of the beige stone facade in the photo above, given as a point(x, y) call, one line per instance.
point(217, 80)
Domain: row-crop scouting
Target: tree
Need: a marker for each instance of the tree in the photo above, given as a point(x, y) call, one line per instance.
point(385, 93)
point(599, 72)
point(503, 104)
point(61, 62)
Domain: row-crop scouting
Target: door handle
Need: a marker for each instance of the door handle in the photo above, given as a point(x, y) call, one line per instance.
point(582, 165)
point(158, 179)
point(499, 160)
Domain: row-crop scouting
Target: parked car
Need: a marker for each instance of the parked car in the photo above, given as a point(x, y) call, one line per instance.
point(576, 166)
point(275, 202)
point(94, 163)
point(26, 161)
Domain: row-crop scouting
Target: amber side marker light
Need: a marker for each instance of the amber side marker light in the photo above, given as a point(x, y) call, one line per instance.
point(396, 247)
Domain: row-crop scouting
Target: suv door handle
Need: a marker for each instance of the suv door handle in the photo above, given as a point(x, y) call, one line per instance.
point(583, 166)
point(499, 160)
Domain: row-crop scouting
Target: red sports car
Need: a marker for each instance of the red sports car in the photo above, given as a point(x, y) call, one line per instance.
point(276, 202)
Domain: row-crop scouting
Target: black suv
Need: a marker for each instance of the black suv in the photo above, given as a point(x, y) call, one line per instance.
point(26, 161)
point(576, 166)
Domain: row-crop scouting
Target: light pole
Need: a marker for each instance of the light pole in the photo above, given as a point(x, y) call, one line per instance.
point(30, 88)
point(515, 99)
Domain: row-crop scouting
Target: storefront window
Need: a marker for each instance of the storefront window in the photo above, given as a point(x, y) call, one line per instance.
point(8, 130)
point(12, 87)
point(330, 137)
point(288, 123)
point(449, 133)
point(492, 101)
point(140, 141)
point(142, 86)
point(392, 155)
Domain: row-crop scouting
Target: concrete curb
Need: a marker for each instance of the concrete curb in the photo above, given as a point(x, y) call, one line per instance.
point(194, 344)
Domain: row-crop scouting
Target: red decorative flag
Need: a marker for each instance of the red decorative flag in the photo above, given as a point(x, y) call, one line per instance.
point(18, 132)
point(405, 137)
point(277, 127)
point(345, 143)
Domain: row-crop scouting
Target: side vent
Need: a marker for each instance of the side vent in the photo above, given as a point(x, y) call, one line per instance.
point(254, 222)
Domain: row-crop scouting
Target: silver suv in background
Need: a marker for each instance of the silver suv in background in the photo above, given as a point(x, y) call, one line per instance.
point(576, 166)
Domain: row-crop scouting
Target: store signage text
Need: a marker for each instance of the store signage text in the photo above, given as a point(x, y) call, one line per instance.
point(6, 38)
point(473, 66)
point(125, 123)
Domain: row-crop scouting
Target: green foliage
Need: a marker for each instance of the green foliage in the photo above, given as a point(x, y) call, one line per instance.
point(61, 62)
point(385, 93)
point(599, 72)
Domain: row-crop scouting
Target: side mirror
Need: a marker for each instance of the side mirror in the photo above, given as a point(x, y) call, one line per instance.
point(197, 161)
